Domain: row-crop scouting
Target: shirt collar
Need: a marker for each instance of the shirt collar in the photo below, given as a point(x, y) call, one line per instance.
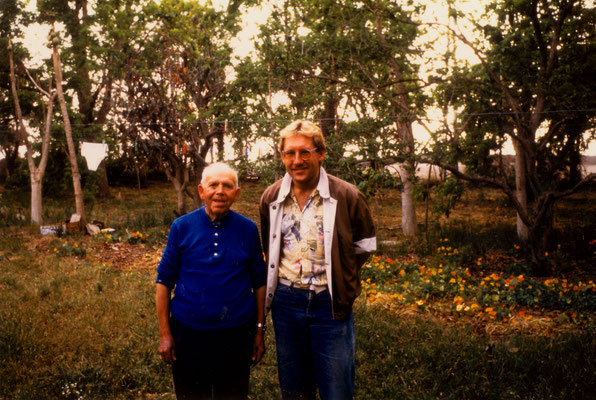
point(286, 186)
point(217, 223)
point(323, 186)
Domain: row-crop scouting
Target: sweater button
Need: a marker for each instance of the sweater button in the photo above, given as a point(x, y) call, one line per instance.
point(274, 207)
point(272, 265)
point(270, 294)
point(274, 236)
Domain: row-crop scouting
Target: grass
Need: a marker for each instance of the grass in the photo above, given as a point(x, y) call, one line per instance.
point(77, 319)
point(414, 357)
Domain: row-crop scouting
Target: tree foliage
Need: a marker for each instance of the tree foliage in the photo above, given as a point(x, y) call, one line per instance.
point(174, 86)
point(533, 86)
point(334, 60)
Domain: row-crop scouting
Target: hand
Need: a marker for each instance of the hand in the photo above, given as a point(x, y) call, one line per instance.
point(166, 349)
point(259, 347)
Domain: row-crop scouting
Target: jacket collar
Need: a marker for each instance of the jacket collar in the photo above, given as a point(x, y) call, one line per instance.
point(286, 186)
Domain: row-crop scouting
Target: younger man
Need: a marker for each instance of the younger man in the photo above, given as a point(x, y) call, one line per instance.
point(317, 231)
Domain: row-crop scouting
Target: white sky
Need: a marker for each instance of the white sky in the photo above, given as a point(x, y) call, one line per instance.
point(36, 39)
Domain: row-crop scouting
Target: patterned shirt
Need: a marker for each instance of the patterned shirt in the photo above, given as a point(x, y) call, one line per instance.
point(303, 252)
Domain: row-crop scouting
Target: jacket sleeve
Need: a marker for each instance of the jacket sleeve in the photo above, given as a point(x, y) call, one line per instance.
point(364, 235)
point(264, 213)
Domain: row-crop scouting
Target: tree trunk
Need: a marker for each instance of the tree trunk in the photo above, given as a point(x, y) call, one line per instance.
point(36, 199)
point(197, 202)
point(405, 134)
point(180, 203)
point(11, 154)
point(407, 172)
point(180, 181)
point(329, 115)
point(538, 254)
point(72, 156)
point(408, 217)
point(137, 169)
point(103, 187)
point(521, 190)
point(540, 234)
point(196, 198)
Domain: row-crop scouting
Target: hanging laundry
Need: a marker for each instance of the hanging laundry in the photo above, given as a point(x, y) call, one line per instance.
point(94, 153)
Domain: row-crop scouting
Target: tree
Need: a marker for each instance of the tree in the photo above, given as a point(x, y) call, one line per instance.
point(174, 86)
point(72, 155)
point(12, 18)
point(397, 84)
point(96, 39)
point(36, 172)
point(533, 85)
point(352, 56)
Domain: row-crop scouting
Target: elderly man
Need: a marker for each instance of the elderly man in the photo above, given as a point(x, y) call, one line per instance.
point(317, 231)
point(212, 329)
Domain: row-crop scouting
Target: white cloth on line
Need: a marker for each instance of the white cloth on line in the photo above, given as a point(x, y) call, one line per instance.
point(94, 153)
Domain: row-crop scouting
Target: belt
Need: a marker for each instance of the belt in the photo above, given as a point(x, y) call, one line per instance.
point(311, 288)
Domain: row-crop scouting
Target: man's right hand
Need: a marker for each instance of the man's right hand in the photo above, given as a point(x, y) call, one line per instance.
point(166, 349)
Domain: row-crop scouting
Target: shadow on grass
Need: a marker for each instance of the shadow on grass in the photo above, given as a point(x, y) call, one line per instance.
point(414, 357)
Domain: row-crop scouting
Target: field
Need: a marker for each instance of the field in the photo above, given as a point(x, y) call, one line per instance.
point(453, 314)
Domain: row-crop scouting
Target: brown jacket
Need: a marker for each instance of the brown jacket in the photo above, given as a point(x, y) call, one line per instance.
point(348, 231)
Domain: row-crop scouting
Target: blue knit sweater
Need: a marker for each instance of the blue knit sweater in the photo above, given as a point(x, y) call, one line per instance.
point(214, 267)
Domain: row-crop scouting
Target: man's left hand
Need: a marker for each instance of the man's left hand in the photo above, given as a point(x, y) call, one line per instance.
point(259, 347)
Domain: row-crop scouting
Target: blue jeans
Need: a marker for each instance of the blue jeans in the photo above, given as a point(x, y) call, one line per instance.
point(313, 350)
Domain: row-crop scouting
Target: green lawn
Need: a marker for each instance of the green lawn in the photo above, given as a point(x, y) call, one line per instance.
point(77, 319)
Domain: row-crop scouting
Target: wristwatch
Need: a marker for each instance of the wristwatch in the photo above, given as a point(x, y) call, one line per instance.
point(262, 326)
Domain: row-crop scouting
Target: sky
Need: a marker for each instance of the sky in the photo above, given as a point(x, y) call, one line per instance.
point(36, 38)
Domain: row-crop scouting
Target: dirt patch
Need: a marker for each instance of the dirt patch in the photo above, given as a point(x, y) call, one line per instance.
point(120, 255)
point(123, 255)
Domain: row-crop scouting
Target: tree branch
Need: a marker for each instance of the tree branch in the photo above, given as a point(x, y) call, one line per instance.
point(588, 180)
point(498, 81)
point(37, 86)
point(538, 32)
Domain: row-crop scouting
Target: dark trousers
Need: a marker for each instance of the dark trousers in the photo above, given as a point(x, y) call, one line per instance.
point(212, 364)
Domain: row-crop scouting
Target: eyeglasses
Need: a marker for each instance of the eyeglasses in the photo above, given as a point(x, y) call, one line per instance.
point(304, 154)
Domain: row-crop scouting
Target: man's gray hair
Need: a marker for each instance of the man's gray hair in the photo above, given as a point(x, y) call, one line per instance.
point(219, 167)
